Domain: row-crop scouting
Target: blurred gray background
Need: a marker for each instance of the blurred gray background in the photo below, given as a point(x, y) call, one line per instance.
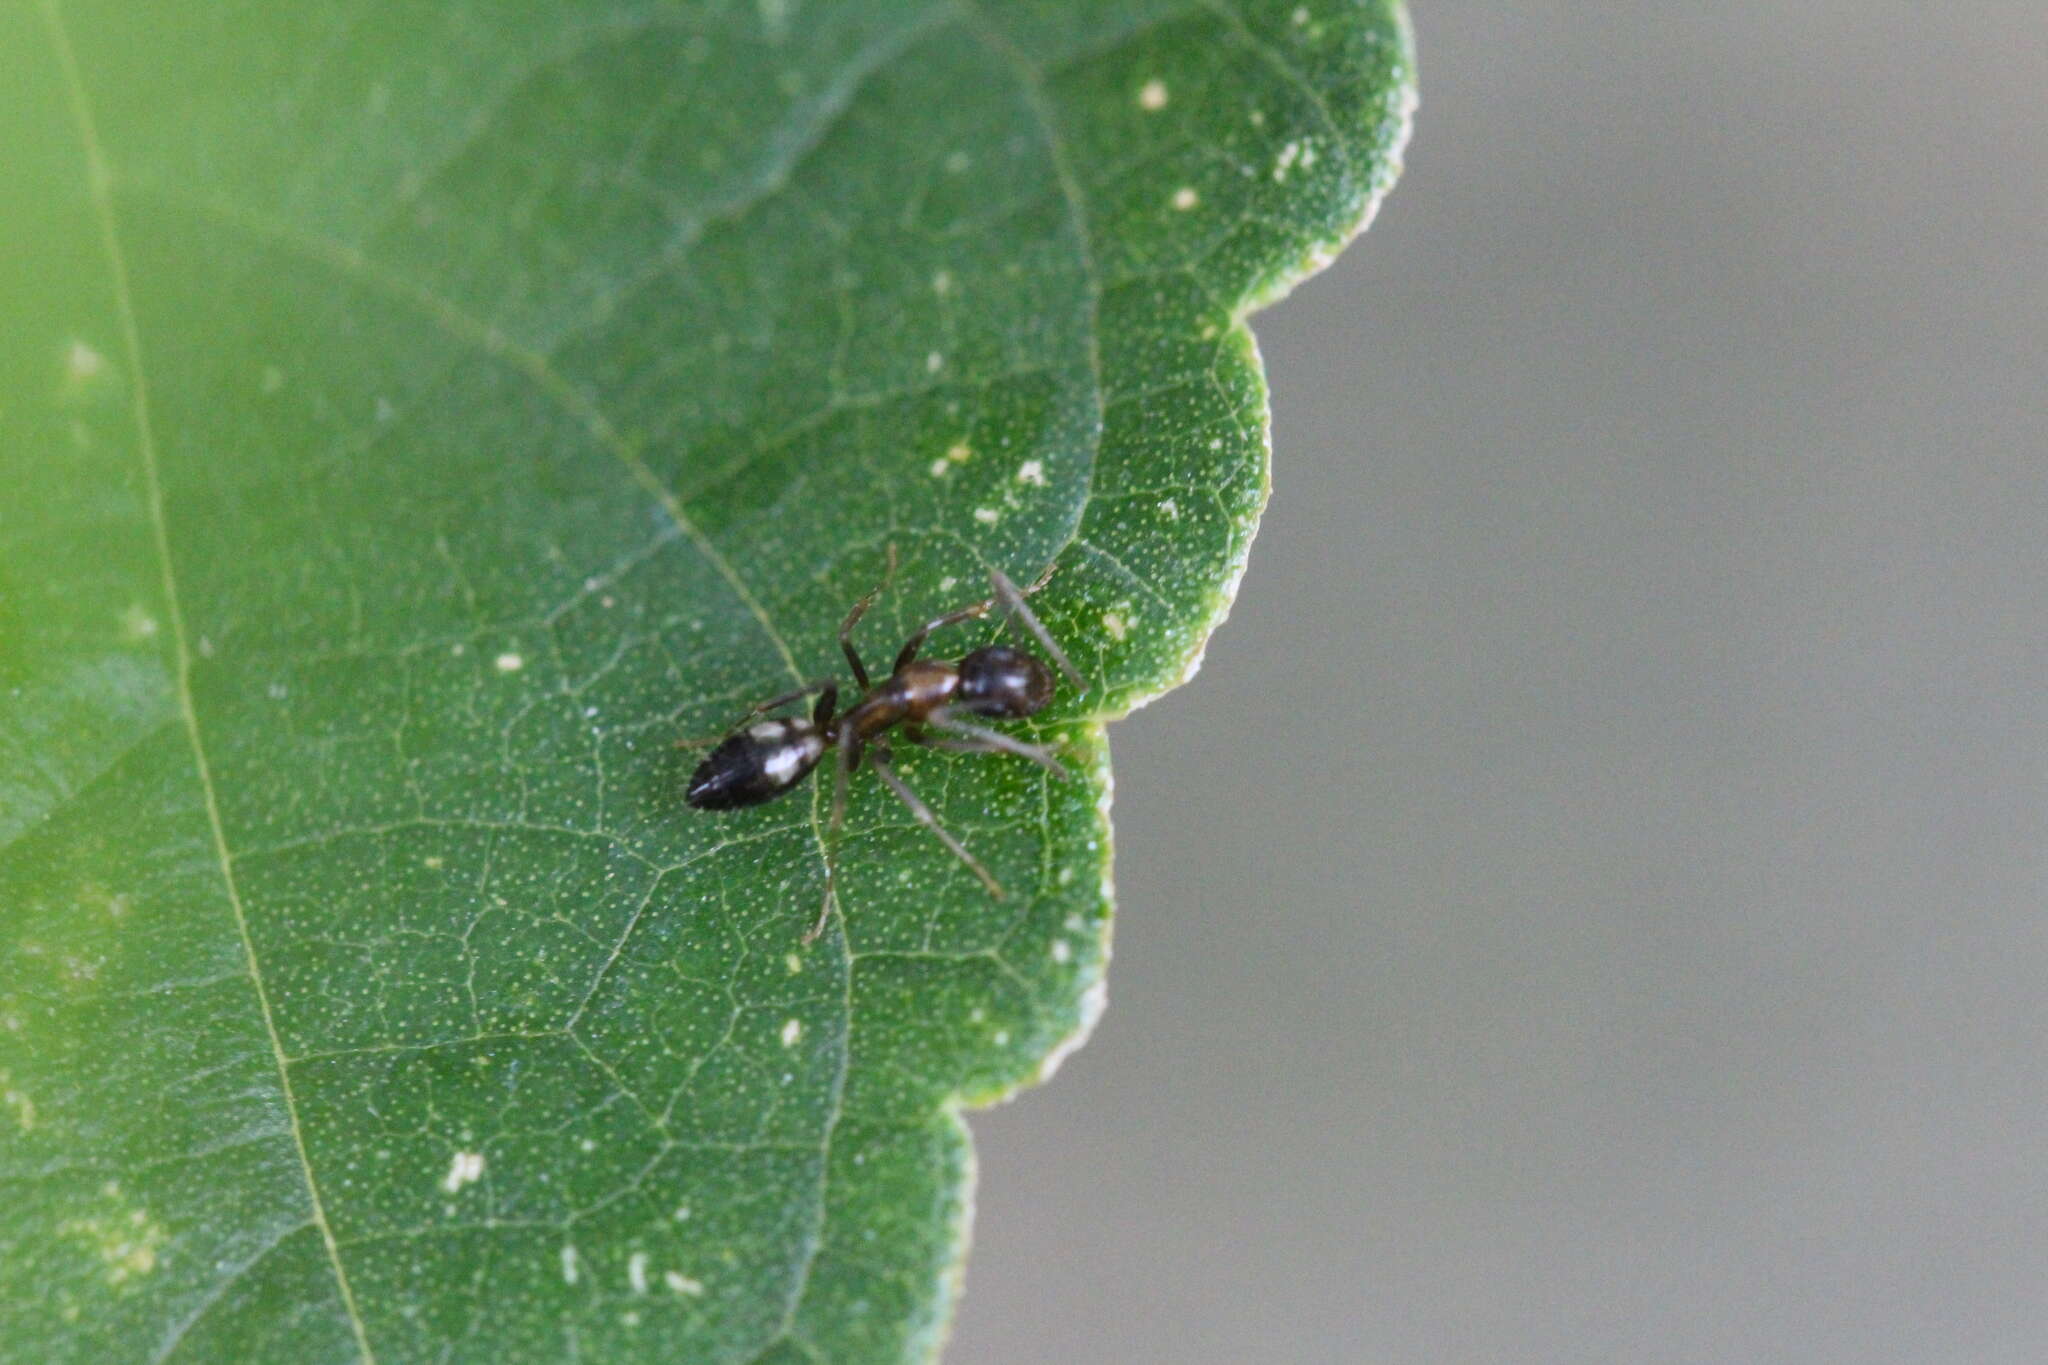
point(1593, 904)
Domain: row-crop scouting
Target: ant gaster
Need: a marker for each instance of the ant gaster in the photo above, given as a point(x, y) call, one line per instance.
point(761, 761)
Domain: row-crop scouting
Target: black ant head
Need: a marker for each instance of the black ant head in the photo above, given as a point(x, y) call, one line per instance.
point(1003, 683)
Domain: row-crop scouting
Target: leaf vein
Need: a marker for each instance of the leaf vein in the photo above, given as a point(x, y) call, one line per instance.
point(99, 189)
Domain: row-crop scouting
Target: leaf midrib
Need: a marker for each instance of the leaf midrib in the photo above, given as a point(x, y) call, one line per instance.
point(98, 192)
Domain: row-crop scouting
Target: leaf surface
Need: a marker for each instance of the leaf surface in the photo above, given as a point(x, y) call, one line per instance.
point(413, 419)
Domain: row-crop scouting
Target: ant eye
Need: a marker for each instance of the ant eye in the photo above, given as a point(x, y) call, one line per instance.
point(1003, 683)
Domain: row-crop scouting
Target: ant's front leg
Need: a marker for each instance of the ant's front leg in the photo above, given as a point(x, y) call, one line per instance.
point(1010, 598)
point(908, 653)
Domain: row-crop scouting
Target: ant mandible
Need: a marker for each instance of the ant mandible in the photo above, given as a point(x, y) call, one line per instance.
point(761, 761)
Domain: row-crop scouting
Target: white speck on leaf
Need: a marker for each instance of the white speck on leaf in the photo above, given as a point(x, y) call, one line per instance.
point(138, 624)
point(127, 1246)
point(636, 1272)
point(1115, 625)
point(1185, 198)
point(939, 467)
point(568, 1265)
point(935, 362)
point(24, 1108)
point(681, 1283)
point(1288, 156)
point(1032, 472)
point(1152, 95)
point(987, 516)
point(510, 663)
point(942, 283)
point(960, 452)
point(82, 362)
point(465, 1169)
point(792, 1031)
point(1062, 951)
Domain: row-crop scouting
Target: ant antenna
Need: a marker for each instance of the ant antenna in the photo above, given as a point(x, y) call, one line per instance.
point(1012, 599)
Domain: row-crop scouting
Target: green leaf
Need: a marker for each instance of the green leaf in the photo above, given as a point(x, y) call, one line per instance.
point(415, 417)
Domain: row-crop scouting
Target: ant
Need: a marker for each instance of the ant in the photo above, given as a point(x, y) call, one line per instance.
point(759, 762)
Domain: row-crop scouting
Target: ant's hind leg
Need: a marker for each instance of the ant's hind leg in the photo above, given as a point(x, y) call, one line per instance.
point(931, 822)
point(826, 686)
point(1012, 598)
point(828, 704)
point(849, 754)
point(860, 609)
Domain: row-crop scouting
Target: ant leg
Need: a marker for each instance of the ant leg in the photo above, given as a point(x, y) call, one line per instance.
point(1012, 599)
point(761, 708)
point(985, 740)
point(860, 608)
point(849, 754)
point(828, 702)
point(958, 746)
point(951, 618)
point(931, 822)
point(823, 685)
